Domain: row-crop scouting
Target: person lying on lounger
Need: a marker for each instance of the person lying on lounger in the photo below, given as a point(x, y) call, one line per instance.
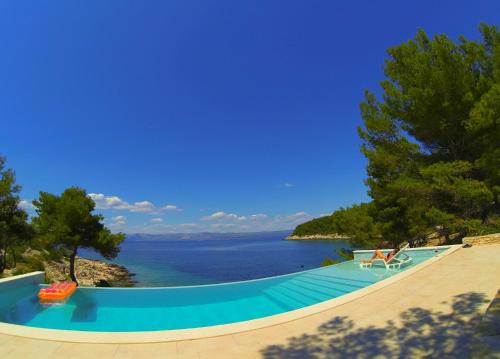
point(379, 255)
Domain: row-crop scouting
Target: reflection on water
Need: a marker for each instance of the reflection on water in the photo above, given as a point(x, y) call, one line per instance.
point(85, 307)
point(24, 305)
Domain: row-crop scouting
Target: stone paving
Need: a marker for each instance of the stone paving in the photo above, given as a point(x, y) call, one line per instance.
point(432, 313)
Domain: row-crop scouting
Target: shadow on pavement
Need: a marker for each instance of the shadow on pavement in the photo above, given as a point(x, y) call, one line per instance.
point(420, 333)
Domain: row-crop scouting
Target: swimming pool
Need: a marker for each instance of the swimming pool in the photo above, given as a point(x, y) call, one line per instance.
point(154, 309)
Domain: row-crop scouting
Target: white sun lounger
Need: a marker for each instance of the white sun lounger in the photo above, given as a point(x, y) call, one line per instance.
point(396, 262)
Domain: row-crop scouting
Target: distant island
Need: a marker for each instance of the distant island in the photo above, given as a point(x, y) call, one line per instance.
point(308, 237)
point(200, 235)
point(286, 234)
point(344, 224)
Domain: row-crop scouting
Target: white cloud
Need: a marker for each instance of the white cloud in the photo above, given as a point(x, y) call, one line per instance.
point(258, 216)
point(223, 216)
point(286, 221)
point(109, 202)
point(116, 203)
point(298, 214)
point(170, 207)
point(119, 219)
point(288, 185)
point(143, 206)
point(255, 222)
point(296, 217)
point(26, 204)
point(217, 222)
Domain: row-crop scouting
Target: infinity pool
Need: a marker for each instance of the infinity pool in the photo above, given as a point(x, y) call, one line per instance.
point(147, 309)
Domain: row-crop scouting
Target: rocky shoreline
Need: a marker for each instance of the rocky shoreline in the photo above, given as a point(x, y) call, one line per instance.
point(90, 273)
point(334, 236)
point(493, 238)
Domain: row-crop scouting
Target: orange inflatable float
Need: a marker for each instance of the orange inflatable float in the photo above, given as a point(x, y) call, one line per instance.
point(57, 291)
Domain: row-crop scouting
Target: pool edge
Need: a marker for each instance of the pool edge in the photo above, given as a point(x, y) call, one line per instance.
point(212, 331)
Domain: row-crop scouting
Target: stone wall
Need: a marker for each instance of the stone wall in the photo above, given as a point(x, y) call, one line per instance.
point(480, 240)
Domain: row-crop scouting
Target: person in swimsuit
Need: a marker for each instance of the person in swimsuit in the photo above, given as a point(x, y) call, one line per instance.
point(379, 255)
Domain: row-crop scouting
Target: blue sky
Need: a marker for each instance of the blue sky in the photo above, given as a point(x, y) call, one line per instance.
point(201, 115)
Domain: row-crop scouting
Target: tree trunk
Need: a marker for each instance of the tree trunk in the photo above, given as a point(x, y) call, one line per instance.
point(484, 215)
point(3, 254)
point(14, 257)
point(72, 265)
point(2, 260)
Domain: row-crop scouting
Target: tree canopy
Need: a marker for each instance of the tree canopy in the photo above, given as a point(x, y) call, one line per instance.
point(68, 220)
point(432, 139)
point(355, 222)
point(13, 219)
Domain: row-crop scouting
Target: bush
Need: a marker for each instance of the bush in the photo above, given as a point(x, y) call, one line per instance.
point(346, 254)
point(355, 222)
point(328, 262)
point(55, 255)
point(32, 265)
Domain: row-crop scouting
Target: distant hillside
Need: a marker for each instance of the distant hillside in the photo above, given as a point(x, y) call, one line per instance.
point(321, 225)
point(354, 222)
point(201, 236)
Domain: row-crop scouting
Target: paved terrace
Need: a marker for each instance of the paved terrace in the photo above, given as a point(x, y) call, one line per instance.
point(435, 311)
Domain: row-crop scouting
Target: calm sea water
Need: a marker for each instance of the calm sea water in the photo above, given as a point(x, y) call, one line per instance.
point(178, 262)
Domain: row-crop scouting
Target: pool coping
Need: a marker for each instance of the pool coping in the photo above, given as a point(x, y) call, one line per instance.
point(21, 276)
point(73, 336)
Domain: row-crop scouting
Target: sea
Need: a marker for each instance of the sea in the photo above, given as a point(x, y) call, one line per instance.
point(208, 258)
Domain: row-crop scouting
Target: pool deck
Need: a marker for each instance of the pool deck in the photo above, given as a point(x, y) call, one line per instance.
point(461, 283)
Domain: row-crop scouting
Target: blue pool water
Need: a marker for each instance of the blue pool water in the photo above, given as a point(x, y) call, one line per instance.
point(144, 309)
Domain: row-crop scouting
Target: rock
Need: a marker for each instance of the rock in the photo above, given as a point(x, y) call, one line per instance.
point(481, 240)
point(318, 237)
point(29, 253)
point(90, 273)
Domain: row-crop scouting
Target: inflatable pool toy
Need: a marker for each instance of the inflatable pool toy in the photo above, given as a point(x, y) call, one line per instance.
point(57, 291)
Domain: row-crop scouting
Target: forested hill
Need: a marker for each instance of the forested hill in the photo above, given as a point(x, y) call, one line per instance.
point(431, 141)
point(353, 222)
point(321, 225)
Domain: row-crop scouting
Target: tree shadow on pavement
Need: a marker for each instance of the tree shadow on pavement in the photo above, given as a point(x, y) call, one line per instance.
point(420, 333)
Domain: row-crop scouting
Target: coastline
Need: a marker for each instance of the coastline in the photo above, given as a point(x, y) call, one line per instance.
point(91, 273)
point(309, 237)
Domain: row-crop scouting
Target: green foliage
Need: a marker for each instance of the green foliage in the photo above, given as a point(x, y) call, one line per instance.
point(54, 254)
point(345, 254)
point(328, 262)
point(355, 222)
point(67, 222)
point(322, 225)
point(432, 144)
point(14, 228)
point(64, 224)
point(32, 265)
